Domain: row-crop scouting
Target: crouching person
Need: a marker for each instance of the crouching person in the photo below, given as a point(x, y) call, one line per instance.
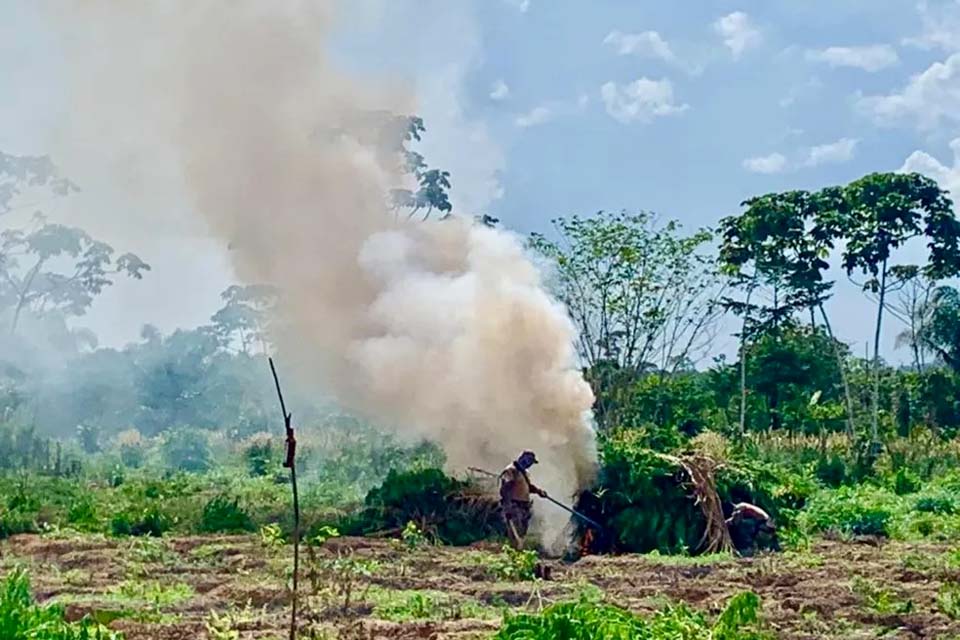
point(752, 529)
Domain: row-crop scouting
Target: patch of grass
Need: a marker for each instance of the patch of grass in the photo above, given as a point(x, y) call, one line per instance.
point(948, 600)
point(586, 620)
point(22, 618)
point(404, 606)
point(880, 599)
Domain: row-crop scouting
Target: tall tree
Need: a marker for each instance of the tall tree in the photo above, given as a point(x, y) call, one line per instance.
point(883, 212)
point(777, 248)
point(52, 267)
point(642, 296)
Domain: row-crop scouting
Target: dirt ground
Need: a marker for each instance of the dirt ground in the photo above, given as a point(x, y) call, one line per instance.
point(363, 588)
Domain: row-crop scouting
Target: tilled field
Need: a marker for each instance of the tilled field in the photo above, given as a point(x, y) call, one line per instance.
point(166, 589)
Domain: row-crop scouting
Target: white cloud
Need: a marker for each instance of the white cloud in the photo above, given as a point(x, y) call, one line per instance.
point(738, 32)
point(773, 163)
point(870, 58)
point(648, 44)
point(941, 26)
point(928, 98)
point(833, 153)
point(499, 91)
point(808, 88)
point(537, 115)
point(947, 177)
point(837, 152)
point(641, 100)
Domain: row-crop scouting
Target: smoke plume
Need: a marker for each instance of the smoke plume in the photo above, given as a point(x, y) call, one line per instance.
point(438, 329)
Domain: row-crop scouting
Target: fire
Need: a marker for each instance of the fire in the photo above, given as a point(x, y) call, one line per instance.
point(586, 542)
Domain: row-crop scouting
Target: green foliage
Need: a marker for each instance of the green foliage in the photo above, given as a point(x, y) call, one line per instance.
point(852, 510)
point(905, 482)
point(429, 499)
point(225, 515)
point(22, 619)
point(882, 600)
point(147, 521)
point(271, 536)
point(186, 450)
point(587, 620)
point(948, 600)
point(511, 564)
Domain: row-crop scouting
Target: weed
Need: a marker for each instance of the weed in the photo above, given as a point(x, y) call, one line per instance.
point(513, 565)
point(948, 600)
point(882, 600)
point(21, 617)
point(271, 536)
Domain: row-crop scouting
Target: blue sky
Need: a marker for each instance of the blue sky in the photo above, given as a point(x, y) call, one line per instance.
point(542, 108)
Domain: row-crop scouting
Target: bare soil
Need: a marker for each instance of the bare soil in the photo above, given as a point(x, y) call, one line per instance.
point(165, 590)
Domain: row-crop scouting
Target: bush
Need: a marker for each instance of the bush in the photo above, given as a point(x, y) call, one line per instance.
point(186, 450)
point(223, 515)
point(260, 458)
point(905, 482)
point(22, 619)
point(436, 503)
point(149, 521)
point(940, 504)
point(853, 511)
point(831, 470)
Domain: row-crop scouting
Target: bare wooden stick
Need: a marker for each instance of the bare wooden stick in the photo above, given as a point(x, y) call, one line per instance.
point(290, 463)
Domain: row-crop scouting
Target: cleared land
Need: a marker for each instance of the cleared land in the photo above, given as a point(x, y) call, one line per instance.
point(166, 589)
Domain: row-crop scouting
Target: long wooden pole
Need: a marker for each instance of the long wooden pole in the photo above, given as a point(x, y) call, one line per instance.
point(290, 463)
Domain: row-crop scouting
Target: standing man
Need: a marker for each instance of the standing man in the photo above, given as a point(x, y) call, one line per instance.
point(515, 490)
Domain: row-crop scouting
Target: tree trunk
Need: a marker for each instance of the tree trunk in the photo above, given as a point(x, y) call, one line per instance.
point(743, 366)
point(851, 433)
point(874, 426)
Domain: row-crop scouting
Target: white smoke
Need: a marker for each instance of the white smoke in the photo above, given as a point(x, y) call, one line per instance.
point(440, 329)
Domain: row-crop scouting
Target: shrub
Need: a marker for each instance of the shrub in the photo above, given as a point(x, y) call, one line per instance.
point(223, 515)
point(83, 515)
point(856, 511)
point(260, 458)
point(905, 482)
point(150, 521)
point(186, 450)
point(434, 502)
point(831, 470)
point(939, 503)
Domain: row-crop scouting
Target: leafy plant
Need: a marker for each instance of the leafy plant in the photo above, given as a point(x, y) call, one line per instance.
point(590, 620)
point(271, 536)
point(22, 619)
point(513, 565)
point(224, 515)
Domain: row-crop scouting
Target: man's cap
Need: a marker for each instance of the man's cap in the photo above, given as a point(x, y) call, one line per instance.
point(529, 454)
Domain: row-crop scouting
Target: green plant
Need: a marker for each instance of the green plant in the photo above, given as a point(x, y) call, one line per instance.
point(412, 537)
point(882, 600)
point(513, 565)
point(271, 536)
point(223, 626)
point(224, 515)
point(948, 600)
point(589, 620)
point(149, 521)
point(22, 619)
point(186, 450)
